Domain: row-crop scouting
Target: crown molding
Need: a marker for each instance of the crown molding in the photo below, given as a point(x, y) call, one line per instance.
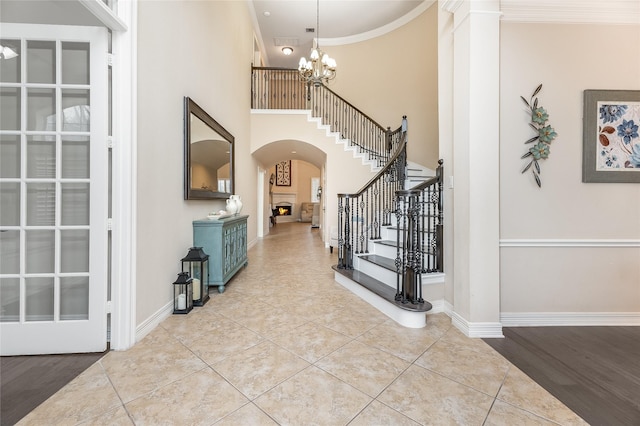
point(356, 38)
point(621, 12)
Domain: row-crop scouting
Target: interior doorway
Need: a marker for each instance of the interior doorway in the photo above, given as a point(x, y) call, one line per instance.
point(292, 193)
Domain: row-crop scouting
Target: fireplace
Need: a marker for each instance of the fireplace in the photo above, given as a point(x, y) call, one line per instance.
point(283, 209)
point(287, 202)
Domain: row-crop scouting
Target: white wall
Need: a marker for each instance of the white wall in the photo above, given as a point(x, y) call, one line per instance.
point(202, 50)
point(564, 275)
point(393, 75)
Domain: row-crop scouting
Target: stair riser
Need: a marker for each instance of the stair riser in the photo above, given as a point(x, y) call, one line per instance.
point(390, 234)
point(384, 250)
point(389, 277)
point(383, 274)
point(432, 284)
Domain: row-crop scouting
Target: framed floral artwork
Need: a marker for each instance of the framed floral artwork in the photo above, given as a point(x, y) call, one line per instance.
point(611, 140)
point(283, 173)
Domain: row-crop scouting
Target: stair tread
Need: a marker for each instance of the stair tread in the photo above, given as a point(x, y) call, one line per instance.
point(381, 289)
point(392, 243)
point(382, 261)
point(395, 228)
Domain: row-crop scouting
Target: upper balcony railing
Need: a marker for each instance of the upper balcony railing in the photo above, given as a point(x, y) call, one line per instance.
point(277, 88)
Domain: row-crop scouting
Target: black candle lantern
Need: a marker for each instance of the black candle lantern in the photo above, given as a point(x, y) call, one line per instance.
point(183, 294)
point(196, 263)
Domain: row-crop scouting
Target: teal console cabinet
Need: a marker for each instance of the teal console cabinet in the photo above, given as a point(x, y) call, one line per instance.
point(225, 241)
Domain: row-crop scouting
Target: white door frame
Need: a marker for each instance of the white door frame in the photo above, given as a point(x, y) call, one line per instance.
point(124, 183)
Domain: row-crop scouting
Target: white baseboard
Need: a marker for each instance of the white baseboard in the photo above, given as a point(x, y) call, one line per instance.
point(448, 308)
point(488, 330)
point(153, 321)
point(252, 243)
point(545, 319)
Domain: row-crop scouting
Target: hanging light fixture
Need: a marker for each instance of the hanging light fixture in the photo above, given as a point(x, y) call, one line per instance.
point(320, 68)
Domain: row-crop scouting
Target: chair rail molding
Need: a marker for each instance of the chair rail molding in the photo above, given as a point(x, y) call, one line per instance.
point(553, 242)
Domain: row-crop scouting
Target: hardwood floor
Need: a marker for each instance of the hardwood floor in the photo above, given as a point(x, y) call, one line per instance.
point(27, 381)
point(595, 371)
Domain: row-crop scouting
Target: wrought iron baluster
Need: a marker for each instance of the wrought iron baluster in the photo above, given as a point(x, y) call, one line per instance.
point(361, 223)
point(403, 230)
point(419, 253)
point(399, 250)
point(426, 201)
point(341, 259)
point(439, 255)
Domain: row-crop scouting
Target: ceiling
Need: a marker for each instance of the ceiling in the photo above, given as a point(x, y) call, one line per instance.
point(282, 23)
point(277, 23)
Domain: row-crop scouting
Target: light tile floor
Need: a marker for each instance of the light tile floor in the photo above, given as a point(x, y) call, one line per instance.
point(285, 344)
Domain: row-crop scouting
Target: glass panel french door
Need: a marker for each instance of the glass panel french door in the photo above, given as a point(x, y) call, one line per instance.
point(53, 189)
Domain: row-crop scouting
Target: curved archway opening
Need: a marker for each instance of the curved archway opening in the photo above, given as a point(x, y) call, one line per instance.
point(297, 196)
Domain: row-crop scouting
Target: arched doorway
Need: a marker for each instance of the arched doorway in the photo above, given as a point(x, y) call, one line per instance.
point(304, 161)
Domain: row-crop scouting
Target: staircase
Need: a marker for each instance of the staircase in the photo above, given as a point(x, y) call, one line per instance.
point(390, 232)
point(401, 269)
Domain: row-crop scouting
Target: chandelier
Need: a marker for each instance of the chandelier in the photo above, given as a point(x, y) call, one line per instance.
point(320, 68)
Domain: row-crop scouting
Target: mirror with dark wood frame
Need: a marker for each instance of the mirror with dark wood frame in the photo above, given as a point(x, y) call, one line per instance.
point(208, 155)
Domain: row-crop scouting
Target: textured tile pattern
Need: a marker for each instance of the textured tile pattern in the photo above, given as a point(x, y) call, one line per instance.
point(285, 344)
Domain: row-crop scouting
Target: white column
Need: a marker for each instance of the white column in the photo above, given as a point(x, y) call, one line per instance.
point(476, 201)
point(123, 275)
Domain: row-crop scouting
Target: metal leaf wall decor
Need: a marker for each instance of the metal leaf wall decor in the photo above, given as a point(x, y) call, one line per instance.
point(545, 134)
